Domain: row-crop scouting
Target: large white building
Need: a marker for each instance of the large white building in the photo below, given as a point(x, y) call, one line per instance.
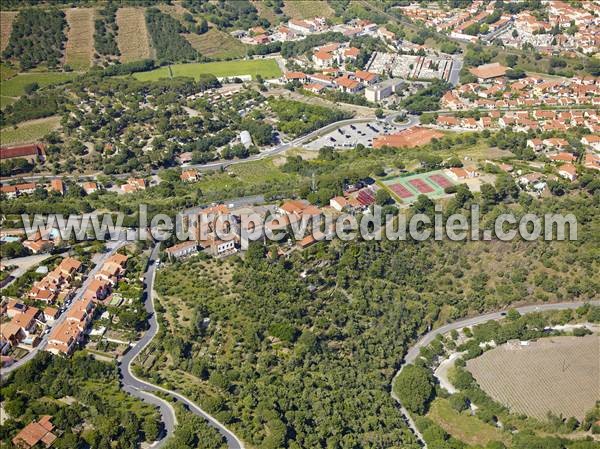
point(379, 91)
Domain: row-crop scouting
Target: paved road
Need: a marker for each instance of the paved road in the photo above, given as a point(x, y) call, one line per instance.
point(112, 247)
point(23, 265)
point(216, 165)
point(140, 388)
point(426, 339)
point(457, 65)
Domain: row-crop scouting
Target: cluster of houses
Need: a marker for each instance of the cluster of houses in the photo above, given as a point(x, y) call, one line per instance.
point(494, 91)
point(298, 29)
point(22, 326)
point(107, 278)
point(331, 78)
point(56, 285)
point(134, 185)
point(524, 121)
point(56, 185)
point(524, 27)
point(15, 190)
point(270, 219)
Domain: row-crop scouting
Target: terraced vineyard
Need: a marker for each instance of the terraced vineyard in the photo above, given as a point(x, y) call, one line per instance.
point(80, 38)
point(553, 374)
point(133, 39)
point(6, 22)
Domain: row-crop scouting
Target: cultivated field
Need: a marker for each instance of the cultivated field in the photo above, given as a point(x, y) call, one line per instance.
point(552, 374)
point(133, 39)
point(217, 44)
point(307, 9)
point(6, 22)
point(267, 68)
point(30, 131)
point(266, 12)
point(80, 38)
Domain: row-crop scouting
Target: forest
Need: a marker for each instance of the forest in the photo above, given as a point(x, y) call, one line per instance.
point(169, 44)
point(37, 38)
point(297, 118)
point(297, 347)
point(105, 33)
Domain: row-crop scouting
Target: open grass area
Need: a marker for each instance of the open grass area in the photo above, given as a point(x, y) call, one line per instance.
point(28, 131)
point(80, 38)
point(133, 39)
point(217, 44)
point(267, 68)
point(5, 101)
point(6, 22)
point(307, 9)
point(463, 426)
point(175, 10)
point(14, 87)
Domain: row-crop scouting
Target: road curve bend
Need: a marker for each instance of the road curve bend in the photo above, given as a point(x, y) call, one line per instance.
point(426, 339)
point(140, 388)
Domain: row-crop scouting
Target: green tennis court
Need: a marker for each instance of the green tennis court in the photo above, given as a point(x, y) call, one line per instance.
point(408, 188)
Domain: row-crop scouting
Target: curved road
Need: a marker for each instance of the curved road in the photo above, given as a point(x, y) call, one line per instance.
point(426, 339)
point(140, 388)
point(412, 121)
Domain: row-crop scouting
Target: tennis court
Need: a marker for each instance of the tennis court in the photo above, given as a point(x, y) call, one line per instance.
point(406, 189)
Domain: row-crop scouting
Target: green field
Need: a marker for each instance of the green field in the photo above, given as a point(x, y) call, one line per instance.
point(463, 426)
point(14, 87)
point(28, 131)
point(267, 68)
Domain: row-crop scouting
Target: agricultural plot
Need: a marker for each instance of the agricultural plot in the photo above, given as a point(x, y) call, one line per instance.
point(552, 374)
point(267, 68)
point(216, 44)
point(80, 38)
point(6, 22)
point(407, 188)
point(307, 9)
point(133, 39)
point(30, 131)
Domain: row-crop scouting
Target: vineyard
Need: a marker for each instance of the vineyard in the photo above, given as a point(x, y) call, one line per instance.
point(133, 39)
point(553, 374)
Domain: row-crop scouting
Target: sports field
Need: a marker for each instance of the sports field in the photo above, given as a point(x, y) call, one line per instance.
point(267, 68)
point(407, 188)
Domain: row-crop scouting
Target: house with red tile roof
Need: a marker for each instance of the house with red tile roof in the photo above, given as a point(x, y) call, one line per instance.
point(36, 433)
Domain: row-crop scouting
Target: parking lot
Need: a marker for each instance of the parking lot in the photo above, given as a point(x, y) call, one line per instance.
point(351, 135)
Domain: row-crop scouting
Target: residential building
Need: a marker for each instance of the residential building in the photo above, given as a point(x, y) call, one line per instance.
point(568, 171)
point(182, 249)
point(36, 434)
point(32, 153)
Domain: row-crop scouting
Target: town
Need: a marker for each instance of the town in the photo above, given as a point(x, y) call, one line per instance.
point(262, 128)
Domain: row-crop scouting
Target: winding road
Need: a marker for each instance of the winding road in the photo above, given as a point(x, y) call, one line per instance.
point(426, 339)
point(142, 389)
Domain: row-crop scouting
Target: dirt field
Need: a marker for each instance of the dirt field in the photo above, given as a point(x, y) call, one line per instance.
point(553, 374)
point(133, 39)
point(6, 22)
point(307, 9)
point(80, 38)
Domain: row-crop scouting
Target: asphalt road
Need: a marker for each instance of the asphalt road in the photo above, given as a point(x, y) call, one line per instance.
point(216, 165)
point(23, 264)
point(113, 246)
point(426, 339)
point(139, 388)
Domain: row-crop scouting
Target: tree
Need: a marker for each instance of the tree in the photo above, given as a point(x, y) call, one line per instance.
point(31, 88)
point(459, 402)
point(383, 197)
point(414, 388)
point(379, 113)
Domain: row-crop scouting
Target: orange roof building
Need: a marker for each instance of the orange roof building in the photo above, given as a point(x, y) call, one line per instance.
point(489, 71)
point(35, 433)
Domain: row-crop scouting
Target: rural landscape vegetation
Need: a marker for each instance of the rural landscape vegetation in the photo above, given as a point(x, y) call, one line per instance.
point(291, 110)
